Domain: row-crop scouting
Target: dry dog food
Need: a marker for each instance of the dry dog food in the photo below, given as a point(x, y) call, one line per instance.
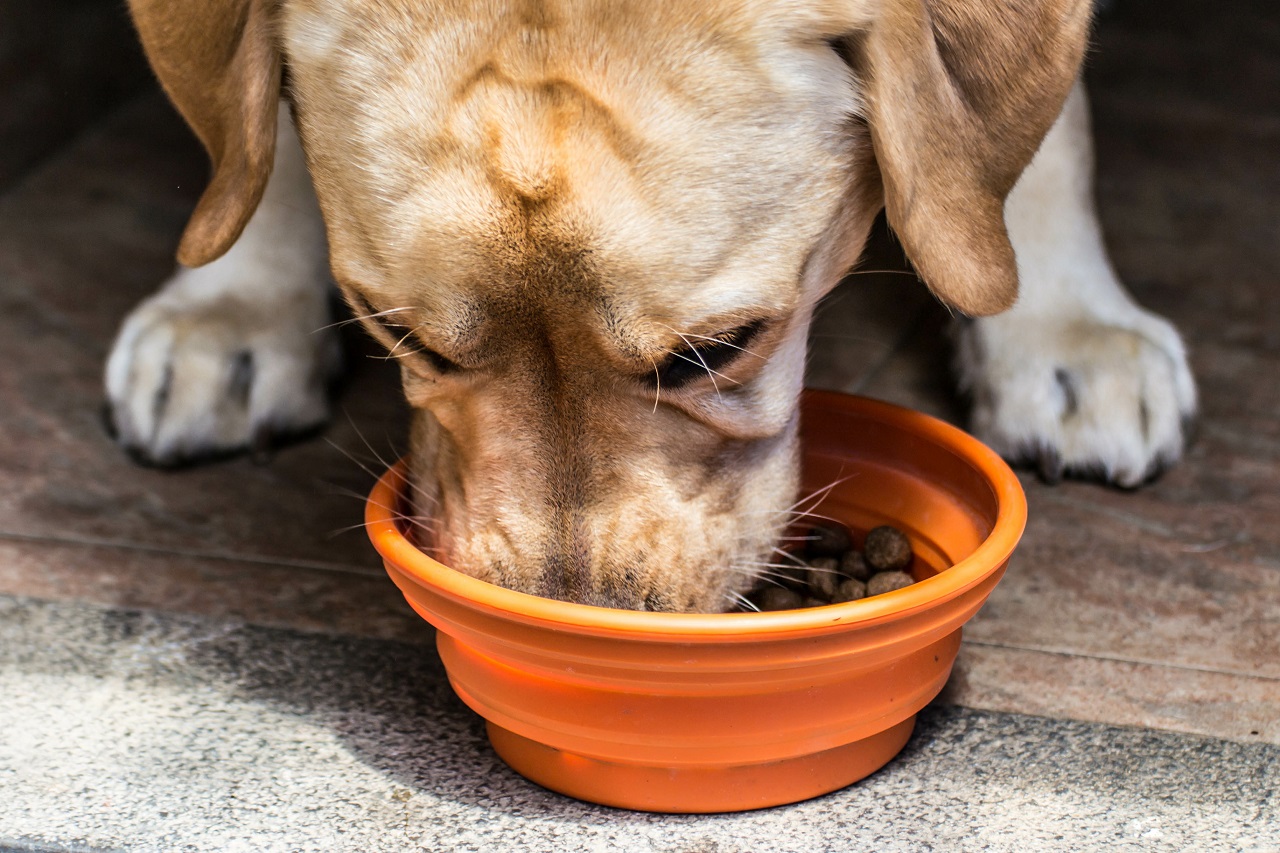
point(830, 571)
point(887, 549)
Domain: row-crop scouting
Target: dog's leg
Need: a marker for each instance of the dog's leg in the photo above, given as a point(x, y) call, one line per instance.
point(228, 355)
point(1076, 376)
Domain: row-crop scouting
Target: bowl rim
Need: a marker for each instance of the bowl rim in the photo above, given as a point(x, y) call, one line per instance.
point(988, 557)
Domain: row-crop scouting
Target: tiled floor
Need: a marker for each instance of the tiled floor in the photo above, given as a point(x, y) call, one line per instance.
point(1158, 608)
point(147, 731)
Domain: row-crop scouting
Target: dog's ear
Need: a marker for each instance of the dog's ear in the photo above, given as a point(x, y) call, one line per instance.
point(959, 94)
point(218, 62)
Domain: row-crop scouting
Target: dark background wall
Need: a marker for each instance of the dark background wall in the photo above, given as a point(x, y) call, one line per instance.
point(63, 64)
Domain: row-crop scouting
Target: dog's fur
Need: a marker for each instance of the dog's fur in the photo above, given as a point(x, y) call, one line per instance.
point(546, 208)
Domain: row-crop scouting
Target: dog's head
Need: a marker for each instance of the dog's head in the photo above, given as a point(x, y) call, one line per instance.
point(593, 234)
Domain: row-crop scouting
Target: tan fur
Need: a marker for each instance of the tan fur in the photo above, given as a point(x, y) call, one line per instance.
point(218, 62)
point(552, 194)
point(959, 95)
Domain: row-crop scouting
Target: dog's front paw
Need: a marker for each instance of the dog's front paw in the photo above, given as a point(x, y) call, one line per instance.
point(203, 369)
point(1084, 397)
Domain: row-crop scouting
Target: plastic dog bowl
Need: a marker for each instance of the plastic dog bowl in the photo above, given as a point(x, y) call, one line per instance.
point(679, 712)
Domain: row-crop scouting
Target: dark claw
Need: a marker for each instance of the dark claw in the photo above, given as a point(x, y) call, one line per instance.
point(1070, 396)
point(262, 449)
point(1157, 468)
point(108, 415)
point(241, 383)
point(1050, 466)
point(143, 459)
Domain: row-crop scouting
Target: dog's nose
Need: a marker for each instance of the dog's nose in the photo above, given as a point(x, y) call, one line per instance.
point(565, 577)
point(570, 577)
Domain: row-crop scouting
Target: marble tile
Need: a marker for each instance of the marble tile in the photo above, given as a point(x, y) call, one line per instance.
point(866, 318)
point(1156, 608)
point(235, 591)
point(859, 327)
point(1159, 607)
point(1119, 692)
point(81, 241)
point(1195, 586)
point(159, 732)
point(918, 373)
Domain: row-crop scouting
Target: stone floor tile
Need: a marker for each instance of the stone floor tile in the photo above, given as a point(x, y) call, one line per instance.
point(859, 327)
point(1119, 692)
point(305, 598)
point(81, 241)
point(1097, 578)
point(157, 732)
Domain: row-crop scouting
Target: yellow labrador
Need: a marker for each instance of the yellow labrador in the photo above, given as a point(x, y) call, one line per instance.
point(594, 234)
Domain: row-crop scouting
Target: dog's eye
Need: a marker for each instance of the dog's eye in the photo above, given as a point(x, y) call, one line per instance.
point(703, 356)
point(401, 340)
point(439, 362)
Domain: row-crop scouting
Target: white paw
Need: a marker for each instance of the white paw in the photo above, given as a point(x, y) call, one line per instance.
point(1083, 396)
point(211, 365)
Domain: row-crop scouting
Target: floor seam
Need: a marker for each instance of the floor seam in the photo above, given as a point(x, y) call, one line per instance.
point(899, 345)
point(278, 562)
point(1117, 659)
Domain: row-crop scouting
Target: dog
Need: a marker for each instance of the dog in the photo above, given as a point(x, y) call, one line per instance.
point(593, 234)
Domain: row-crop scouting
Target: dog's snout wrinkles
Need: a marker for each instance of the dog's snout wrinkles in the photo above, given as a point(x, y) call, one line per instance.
point(566, 572)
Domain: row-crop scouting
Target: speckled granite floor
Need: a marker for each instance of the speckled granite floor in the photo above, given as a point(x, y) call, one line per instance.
point(148, 731)
point(212, 660)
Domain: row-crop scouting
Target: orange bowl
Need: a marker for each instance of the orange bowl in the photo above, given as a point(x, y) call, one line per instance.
point(679, 712)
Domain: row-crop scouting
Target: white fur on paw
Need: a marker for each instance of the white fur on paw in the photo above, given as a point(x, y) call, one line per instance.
point(204, 367)
point(1081, 396)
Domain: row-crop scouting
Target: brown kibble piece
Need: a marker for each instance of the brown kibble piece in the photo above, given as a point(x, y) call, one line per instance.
point(887, 549)
point(828, 540)
point(780, 598)
point(816, 602)
point(854, 565)
point(849, 590)
point(888, 582)
point(824, 576)
point(794, 577)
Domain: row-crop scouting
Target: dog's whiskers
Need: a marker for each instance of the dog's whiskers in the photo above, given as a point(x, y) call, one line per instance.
point(806, 516)
point(373, 316)
point(686, 335)
point(760, 571)
point(390, 357)
point(742, 601)
point(391, 353)
point(431, 499)
point(701, 361)
point(420, 521)
point(880, 272)
point(357, 496)
point(786, 568)
point(817, 496)
point(790, 556)
point(657, 378)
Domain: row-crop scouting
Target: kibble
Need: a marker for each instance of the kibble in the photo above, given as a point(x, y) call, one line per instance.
point(824, 577)
point(833, 572)
point(887, 549)
point(779, 598)
point(849, 590)
point(828, 540)
point(883, 582)
point(854, 565)
point(794, 577)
